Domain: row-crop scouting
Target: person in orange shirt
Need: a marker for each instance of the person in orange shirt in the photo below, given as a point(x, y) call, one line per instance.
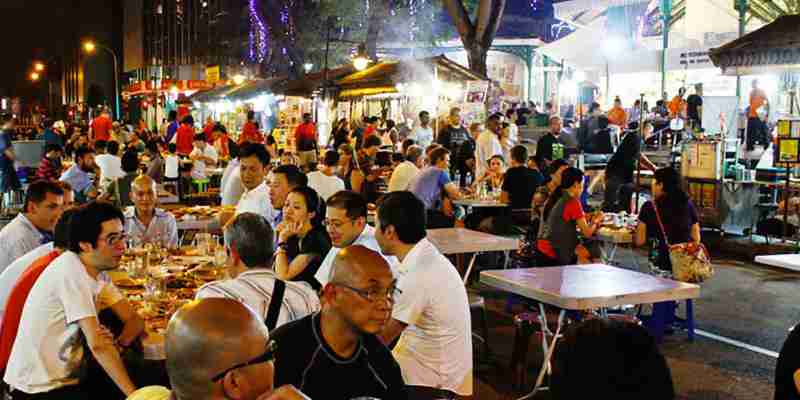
point(758, 99)
point(100, 128)
point(250, 131)
point(617, 114)
point(208, 129)
point(677, 107)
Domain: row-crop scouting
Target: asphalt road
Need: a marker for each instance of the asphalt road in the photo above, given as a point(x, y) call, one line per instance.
point(744, 302)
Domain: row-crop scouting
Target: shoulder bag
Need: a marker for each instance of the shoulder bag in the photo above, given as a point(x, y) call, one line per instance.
point(690, 261)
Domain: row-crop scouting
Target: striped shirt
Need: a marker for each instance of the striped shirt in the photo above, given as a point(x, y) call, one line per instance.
point(254, 289)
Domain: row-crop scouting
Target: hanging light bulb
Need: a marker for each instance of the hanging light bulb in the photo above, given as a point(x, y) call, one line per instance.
point(361, 59)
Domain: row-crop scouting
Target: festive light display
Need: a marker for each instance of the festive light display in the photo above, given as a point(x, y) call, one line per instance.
point(259, 36)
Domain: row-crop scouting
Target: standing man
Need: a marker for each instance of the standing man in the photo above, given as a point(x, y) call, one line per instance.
point(253, 281)
point(250, 131)
point(172, 127)
point(423, 134)
point(8, 174)
point(757, 131)
point(339, 344)
point(306, 140)
point(100, 128)
point(488, 145)
point(452, 136)
point(619, 172)
point(185, 136)
point(44, 203)
point(677, 106)
point(431, 313)
point(61, 312)
point(346, 221)
point(146, 222)
point(694, 108)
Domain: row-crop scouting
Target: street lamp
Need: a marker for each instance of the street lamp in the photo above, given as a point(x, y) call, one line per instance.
point(361, 59)
point(38, 66)
point(35, 76)
point(90, 47)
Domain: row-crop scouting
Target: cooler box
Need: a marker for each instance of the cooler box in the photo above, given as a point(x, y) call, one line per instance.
point(770, 174)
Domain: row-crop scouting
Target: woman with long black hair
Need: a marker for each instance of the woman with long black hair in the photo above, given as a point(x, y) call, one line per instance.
point(678, 216)
point(562, 217)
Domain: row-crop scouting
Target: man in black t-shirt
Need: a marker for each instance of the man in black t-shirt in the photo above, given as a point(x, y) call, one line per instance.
point(453, 136)
point(620, 168)
point(335, 354)
point(520, 182)
point(545, 145)
point(694, 108)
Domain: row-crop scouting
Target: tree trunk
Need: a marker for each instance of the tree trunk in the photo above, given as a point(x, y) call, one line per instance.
point(476, 56)
point(378, 13)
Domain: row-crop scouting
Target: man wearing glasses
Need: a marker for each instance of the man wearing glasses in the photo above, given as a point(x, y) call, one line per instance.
point(346, 222)
point(236, 361)
point(335, 354)
point(431, 312)
point(61, 313)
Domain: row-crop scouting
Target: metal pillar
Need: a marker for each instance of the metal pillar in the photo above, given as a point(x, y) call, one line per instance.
point(546, 63)
point(741, 6)
point(666, 17)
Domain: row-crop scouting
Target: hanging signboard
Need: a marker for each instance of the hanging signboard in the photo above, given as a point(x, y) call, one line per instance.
point(212, 74)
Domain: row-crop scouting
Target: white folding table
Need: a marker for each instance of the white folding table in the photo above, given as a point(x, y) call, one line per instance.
point(461, 241)
point(787, 261)
point(584, 287)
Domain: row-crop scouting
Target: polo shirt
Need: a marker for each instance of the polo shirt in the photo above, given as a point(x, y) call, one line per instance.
point(435, 349)
point(254, 289)
point(163, 226)
point(16, 302)
point(366, 239)
point(305, 360)
point(17, 238)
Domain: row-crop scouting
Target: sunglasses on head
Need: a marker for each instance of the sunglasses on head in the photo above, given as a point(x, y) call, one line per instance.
point(269, 355)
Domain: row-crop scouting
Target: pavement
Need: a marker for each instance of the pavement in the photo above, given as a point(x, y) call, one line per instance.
point(742, 318)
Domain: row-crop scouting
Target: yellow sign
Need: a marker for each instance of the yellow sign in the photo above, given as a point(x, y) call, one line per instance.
point(212, 74)
point(789, 150)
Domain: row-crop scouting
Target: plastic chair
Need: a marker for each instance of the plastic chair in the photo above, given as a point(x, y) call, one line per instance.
point(201, 184)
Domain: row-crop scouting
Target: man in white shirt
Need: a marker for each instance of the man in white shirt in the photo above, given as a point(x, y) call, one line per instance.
point(407, 170)
point(61, 312)
point(254, 165)
point(487, 145)
point(108, 161)
point(423, 134)
point(44, 203)
point(203, 156)
point(231, 188)
point(253, 282)
point(346, 222)
point(145, 222)
point(325, 181)
point(432, 310)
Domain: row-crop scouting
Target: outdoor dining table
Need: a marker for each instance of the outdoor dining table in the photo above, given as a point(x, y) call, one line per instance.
point(461, 241)
point(480, 203)
point(586, 287)
point(787, 261)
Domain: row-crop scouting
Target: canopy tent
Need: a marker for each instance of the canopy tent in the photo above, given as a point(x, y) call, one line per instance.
point(773, 48)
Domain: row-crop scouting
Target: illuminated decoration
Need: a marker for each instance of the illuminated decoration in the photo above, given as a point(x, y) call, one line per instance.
point(259, 36)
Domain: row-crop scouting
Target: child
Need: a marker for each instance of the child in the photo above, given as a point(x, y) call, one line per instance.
point(171, 163)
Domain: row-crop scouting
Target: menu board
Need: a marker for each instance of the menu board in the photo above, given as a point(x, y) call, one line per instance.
point(701, 160)
point(788, 150)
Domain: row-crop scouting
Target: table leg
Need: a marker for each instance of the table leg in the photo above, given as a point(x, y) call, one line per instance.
point(469, 269)
point(505, 261)
point(610, 252)
point(549, 350)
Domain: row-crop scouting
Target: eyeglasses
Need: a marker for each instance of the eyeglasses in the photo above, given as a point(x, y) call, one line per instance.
point(334, 223)
point(374, 294)
point(269, 355)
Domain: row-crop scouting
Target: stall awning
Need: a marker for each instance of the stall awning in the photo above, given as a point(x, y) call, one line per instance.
point(211, 95)
point(774, 47)
point(383, 77)
point(254, 88)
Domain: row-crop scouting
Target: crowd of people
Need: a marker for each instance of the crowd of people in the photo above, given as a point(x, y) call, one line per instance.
point(315, 293)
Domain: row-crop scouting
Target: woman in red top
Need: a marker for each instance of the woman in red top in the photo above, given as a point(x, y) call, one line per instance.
point(562, 217)
point(185, 136)
point(250, 131)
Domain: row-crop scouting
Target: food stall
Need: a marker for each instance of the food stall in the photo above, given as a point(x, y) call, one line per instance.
point(405, 87)
point(772, 49)
point(153, 100)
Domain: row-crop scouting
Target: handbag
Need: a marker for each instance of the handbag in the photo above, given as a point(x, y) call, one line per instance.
point(690, 261)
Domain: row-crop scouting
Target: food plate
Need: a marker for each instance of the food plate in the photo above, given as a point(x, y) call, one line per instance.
point(128, 283)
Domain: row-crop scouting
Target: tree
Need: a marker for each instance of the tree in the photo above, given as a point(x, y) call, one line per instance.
point(477, 36)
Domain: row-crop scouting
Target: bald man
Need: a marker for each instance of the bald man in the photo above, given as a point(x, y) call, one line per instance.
point(146, 223)
point(218, 349)
point(339, 344)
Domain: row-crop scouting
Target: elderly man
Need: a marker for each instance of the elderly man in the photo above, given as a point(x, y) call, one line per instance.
point(146, 223)
point(339, 344)
point(346, 221)
point(431, 312)
point(237, 361)
point(253, 282)
point(44, 203)
point(61, 312)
